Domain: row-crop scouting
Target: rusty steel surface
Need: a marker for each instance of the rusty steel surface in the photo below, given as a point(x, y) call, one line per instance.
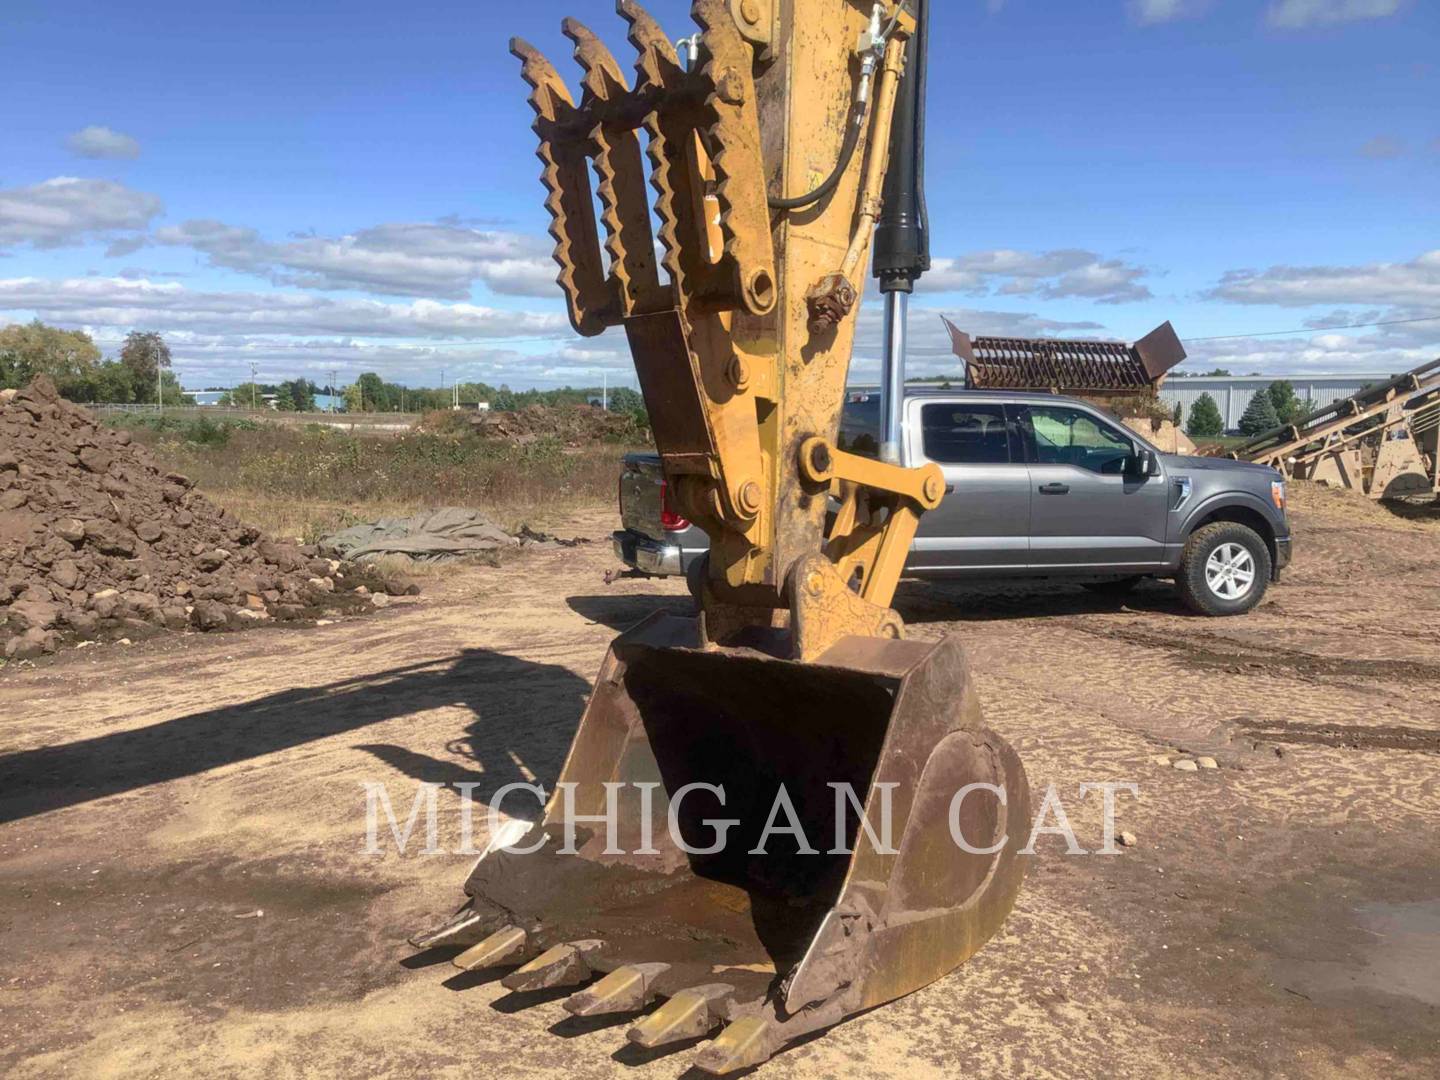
point(1051, 364)
point(794, 677)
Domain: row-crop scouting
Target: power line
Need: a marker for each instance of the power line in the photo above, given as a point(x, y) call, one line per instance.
point(1317, 329)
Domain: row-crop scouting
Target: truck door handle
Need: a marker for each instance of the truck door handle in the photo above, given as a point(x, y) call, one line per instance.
point(1054, 489)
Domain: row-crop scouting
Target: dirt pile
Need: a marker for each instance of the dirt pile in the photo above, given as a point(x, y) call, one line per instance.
point(575, 425)
point(96, 541)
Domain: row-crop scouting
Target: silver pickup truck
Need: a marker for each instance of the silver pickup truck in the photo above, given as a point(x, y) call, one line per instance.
point(1036, 485)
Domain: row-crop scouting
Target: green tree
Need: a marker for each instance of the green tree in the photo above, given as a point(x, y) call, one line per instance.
point(372, 393)
point(145, 355)
point(300, 393)
point(284, 400)
point(1205, 420)
point(69, 357)
point(1288, 406)
point(1259, 415)
point(354, 402)
point(1177, 414)
point(247, 395)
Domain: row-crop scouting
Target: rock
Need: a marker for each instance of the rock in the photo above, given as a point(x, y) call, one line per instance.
point(251, 614)
point(149, 531)
point(211, 560)
point(33, 615)
point(65, 574)
point(71, 530)
point(1207, 763)
point(95, 460)
point(141, 605)
point(361, 590)
point(324, 584)
point(1186, 765)
point(83, 623)
point(1161, 759)
point(108, 538)
point(32, 643)
point(380, 600)
point(210, 615)
point(254, 603)
point(13, 499)
point(1127, 839)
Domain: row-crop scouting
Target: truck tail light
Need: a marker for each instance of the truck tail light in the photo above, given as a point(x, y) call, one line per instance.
point(670, 521)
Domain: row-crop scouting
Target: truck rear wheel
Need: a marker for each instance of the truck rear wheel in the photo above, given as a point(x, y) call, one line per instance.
point(1225, 569)
point(695, 575)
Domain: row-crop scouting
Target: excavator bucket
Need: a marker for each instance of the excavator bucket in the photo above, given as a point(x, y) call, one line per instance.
point(705, 844)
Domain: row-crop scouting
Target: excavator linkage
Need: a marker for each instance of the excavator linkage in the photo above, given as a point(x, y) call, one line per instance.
point(780, 812)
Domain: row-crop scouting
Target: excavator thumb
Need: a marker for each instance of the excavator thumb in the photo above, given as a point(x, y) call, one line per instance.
point(706, 842)
point(780, 812)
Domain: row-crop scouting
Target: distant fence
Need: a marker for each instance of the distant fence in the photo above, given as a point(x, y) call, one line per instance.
point(385, 421)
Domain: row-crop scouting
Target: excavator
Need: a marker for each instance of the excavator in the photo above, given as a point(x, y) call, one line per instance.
point(782, 811)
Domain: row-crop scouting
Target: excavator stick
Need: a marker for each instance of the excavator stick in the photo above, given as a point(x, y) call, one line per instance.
point(780, 812)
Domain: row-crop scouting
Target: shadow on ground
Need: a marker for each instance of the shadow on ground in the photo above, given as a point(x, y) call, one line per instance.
point(621, 611)
point(929, 601)
point(523, 712)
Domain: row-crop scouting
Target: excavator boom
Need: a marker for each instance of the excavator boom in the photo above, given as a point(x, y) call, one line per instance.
point(737, 278)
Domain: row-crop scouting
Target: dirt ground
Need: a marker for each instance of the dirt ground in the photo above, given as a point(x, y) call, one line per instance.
point(183, 888)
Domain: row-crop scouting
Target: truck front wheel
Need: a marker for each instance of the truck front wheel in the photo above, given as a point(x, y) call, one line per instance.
point(1225, 569)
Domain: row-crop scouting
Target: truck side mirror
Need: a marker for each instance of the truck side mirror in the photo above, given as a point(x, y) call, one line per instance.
point(1143, 463)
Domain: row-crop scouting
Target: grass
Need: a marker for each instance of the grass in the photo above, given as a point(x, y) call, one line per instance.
point(310, 482)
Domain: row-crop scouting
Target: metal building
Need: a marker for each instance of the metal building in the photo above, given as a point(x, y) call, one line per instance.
point(1233, 392)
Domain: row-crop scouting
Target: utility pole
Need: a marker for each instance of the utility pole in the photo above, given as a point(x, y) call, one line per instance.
point(159, 390)
point(254, 369)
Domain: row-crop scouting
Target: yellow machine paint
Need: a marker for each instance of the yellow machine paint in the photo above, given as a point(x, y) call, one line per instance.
point(795, 673)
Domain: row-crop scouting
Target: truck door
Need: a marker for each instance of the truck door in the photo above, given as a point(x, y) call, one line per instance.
point(983, 522)
point(1087, 510)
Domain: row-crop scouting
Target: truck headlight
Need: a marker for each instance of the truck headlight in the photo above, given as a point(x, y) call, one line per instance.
point(1277, 493)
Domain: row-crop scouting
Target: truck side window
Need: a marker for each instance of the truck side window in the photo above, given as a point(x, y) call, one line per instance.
point(1061, 436)
point(860, 425)
point(962, 433)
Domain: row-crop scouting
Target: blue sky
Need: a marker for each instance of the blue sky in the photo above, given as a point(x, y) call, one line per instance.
point(352, 185)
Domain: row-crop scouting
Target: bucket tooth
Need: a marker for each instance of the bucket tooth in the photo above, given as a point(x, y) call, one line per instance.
point(564, 965)
point(465, 927)
point(745, 1043)
point(626, 989)
point(502, 945)
point(688, 1014)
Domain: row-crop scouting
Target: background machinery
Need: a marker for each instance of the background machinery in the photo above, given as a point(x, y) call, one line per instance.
point(1381, 441)
point(768, 139)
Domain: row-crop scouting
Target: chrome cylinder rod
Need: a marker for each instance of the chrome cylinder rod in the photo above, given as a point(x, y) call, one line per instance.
point(892, 376)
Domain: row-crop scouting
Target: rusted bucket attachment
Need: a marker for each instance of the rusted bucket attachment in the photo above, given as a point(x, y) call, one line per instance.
point(773, 924)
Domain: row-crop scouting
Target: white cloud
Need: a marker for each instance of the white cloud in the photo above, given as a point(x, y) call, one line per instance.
point(126, 304)
point(1153, 12)
point(101, 142)
point(1332, 352)
point(400, 259)
point(928, 349)
point(1048, 275)
point(1383, 148)
point(67, 210)
point(1415, 283)
point(1299, 14)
